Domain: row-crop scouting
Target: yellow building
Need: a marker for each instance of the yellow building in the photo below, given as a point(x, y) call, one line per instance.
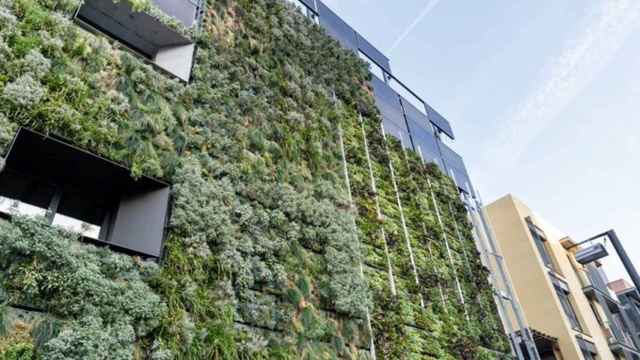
point(568, 306)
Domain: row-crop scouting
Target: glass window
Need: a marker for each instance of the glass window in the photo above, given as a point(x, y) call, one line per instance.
point(569, 311)
point(587, 355)
point(541, 244)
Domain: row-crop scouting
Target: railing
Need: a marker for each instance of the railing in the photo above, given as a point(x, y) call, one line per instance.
point(616, 334)
point(597, 280)
point(614, 327)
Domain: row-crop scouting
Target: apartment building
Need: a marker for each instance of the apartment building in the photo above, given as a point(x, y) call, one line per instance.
point(563, 287)
point(630, 300)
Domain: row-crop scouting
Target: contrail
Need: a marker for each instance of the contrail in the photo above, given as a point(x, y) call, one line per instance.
point(565, 77)
point(427, 9)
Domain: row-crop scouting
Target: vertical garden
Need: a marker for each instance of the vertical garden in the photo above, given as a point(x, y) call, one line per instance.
point(298, 231)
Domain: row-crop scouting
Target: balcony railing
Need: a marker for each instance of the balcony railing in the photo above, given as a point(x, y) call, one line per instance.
point(596, 286)
point(597, 280)
point(620, 330)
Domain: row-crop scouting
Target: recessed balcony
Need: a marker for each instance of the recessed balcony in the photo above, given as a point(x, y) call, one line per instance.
point(73, 189)
point(165, 46)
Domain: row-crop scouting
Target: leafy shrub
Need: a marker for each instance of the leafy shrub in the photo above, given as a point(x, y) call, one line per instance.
point(20, 351)
point(89, 338)
point(25, 91)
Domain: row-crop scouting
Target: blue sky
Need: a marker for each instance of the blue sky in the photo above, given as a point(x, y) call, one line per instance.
point(544, 97)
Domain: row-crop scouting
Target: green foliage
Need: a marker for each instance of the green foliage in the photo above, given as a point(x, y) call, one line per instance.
point(20, 351)
point(47, 268)
point(89, 338)
point(266, 258)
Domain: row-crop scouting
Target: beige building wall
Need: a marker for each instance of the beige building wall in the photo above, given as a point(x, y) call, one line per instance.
point(532, 279)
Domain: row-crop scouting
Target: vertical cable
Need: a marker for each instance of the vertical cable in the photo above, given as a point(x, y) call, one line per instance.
point(355, 229)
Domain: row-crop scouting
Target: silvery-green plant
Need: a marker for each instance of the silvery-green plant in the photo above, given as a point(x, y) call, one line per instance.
point(25, 91)
point(36, 64)
point(91, 339)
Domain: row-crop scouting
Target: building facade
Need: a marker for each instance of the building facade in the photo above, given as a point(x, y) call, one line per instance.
point(291, 200)
point(562, 286)
point(419, 127)
point(405, 114)
point(630, 301)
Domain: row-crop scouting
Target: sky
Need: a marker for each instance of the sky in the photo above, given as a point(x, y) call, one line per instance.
point(543, 96)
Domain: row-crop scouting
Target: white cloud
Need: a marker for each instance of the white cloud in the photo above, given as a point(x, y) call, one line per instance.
point(423, 14)
point(607, 27)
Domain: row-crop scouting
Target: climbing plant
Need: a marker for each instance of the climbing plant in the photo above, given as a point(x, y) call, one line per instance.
point(298, 230)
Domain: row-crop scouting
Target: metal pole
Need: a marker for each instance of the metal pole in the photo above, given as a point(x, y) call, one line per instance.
point(486, 255)
point(525, 332)
point(626, 261)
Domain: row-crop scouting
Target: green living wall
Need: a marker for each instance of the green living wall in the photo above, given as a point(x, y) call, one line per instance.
point(297, 231)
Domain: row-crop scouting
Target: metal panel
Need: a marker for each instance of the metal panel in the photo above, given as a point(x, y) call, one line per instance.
point(439, 121)
point(398, 132)
point(373, 53)
point(39, 169)
point(412, 113)
point(424, 140)
point(388, 103)
point(456, 168)
point(591, 254)
point(337, 28)
point(139, 31)
point(310, 4)
point(140, 221)
point(184, 10)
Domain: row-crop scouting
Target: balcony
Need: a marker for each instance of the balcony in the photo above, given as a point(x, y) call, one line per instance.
point(619, 336)
point(593, 279)
point(70, 188)
point(614, 325)
point(148, 33)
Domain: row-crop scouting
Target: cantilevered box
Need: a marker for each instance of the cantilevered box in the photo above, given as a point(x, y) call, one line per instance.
point(77, 189)
point(162, 45)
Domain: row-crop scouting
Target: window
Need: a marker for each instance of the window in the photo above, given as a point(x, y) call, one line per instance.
point(587, 355)
point(567, 306)
point(73, 189)
point(541, 244)
point(165, 47)
point(596, 313)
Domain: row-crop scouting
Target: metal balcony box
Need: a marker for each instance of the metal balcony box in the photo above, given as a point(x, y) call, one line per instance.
point(77, 189)
point(591, 254)
point(163, 46)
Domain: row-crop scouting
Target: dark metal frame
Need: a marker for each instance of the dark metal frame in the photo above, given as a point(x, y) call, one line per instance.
point(55, 201)
point(620, 344)
point(620, 250)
